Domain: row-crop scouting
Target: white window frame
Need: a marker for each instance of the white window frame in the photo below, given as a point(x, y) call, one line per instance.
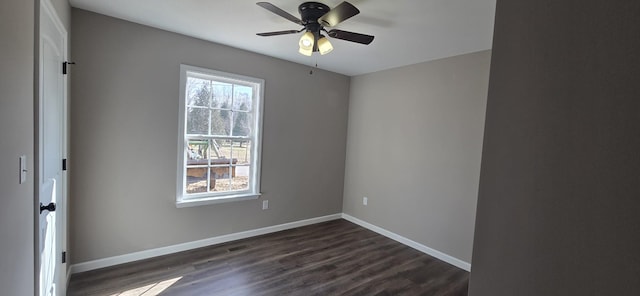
point(253, 192)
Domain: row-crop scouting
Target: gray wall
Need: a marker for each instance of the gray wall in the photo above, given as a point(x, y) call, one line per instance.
point(16, 129)
point(414, 146)
point(124, 128)
point(558, 206)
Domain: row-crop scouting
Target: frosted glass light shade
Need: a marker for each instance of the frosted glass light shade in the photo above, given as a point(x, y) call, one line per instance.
point(307, 40)
point(324, 46)
point(306, 52)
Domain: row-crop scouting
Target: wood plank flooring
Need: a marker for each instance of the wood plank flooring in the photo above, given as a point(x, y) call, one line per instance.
point(331, 258)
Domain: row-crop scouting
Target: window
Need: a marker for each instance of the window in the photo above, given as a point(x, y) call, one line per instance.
point(220, 137)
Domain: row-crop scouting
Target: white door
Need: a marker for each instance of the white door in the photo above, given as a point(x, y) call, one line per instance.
point(51, 130)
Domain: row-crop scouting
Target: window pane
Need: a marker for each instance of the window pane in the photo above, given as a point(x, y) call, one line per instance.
point(231, 178)
point(221, 184)
point(196, 180)
point(241, 178)
point(242, 123)
point(197, 152)
point(220, 122)
point(198, 92)
point(221, 95)
point(242, 98)
point(222, 149)
point(197, 121)
point(221, 173)
point(241, 151)
point(209, 148)
point(196, 185)
point(221, 162)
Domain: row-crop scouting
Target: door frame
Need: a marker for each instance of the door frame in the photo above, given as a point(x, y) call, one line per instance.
point(45, 6)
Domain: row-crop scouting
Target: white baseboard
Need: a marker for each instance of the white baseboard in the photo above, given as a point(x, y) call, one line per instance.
point(401, 239)
point(131, 257)
point(115, 260)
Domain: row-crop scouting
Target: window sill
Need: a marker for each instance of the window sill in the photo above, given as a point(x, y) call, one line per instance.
point(185, 203)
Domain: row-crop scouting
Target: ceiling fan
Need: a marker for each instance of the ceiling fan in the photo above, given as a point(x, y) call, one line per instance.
point(314, 17)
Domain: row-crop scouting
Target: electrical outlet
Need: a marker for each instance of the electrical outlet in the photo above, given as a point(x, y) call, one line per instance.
point(365, 200)
point(265, 204)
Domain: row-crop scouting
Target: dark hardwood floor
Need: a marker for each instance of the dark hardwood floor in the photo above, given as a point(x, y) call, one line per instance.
point(331, 258)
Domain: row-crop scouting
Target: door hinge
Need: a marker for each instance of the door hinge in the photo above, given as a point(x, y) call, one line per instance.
point(64, 67)
point(64, 257)
point(64, 164)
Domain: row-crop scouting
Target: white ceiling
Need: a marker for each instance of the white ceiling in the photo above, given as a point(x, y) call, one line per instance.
point(406, 31)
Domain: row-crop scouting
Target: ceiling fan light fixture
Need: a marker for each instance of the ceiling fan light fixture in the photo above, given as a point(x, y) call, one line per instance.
point(305, 51)
point(306, 41)
point(324, 46)
point(314, 16)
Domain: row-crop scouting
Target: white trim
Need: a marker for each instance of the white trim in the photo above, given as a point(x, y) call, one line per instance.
point(185, 203)
point(68, 278)
point(56, 19)
point(62, 277)
point(115, 260)
point(401, 239)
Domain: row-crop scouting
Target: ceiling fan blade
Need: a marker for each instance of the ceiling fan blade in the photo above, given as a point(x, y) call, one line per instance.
point(270, 7)
point(338, 14)
point(278, 33)
point(350, 36)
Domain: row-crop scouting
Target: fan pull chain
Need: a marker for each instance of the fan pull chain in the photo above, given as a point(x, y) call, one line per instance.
point(311, 70)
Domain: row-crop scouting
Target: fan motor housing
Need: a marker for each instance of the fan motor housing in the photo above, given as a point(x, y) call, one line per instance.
point(310, 12)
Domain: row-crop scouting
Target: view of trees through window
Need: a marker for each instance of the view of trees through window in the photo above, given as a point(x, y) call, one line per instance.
point(218, 108)
point(219, 121)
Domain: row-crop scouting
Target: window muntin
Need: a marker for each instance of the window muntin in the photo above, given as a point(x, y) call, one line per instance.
point(220, 136)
